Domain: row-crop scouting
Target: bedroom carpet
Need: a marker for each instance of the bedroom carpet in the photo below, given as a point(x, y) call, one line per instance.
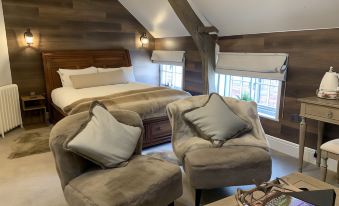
point(32, 180)
point(30, 142)
point(168, 156)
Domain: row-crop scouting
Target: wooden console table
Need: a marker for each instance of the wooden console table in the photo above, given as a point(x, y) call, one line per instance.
point(322, 110)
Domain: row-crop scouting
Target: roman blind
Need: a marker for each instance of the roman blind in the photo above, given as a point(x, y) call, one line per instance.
point(168, 57)
point(257, 65)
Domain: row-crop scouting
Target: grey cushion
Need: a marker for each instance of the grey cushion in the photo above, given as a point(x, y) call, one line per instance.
point(232, 166)
point(215, 120)
point(145, 181)
point(103, 139)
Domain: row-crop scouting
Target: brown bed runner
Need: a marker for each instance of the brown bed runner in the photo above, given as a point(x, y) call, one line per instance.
point(148, 103)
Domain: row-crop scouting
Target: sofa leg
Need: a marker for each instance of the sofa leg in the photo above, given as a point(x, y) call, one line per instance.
point(197, 197)
point(171, 204)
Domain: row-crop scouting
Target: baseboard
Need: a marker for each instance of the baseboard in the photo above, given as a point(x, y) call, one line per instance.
point(292, 149)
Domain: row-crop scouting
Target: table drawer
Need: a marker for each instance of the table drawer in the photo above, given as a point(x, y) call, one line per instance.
point(321, 111)
point(160, 129)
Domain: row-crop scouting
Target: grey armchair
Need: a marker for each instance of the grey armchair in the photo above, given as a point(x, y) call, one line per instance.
point(144, 181)
point(238, 162)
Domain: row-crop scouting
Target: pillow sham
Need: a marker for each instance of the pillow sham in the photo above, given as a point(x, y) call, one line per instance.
point(65, 73)
point(128, 71)
point(103, 140)
point(215, 121)
point(98, 79)
point(107, 69)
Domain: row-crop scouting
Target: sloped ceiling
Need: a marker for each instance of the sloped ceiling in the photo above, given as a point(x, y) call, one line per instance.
point(157, 16)
point(238, 17)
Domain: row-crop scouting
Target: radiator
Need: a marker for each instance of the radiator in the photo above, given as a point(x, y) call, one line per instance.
point(10, 114)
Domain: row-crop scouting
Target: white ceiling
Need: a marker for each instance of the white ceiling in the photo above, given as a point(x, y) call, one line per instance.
point(157, 16)
point(238, 17)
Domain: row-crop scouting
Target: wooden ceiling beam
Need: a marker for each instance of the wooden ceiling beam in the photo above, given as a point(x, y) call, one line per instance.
point(204, 42)
point(208, 29)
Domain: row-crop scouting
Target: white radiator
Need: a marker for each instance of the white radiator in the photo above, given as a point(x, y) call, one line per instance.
point(10, 114)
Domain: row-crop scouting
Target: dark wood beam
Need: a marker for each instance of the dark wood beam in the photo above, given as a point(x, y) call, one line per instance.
point(204, 42)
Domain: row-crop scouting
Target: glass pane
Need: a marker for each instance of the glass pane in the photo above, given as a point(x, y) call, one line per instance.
point(273, 97)
point(222, 84)
point(246, 79)
point(235, 89)
point(171, 76)
point(263, 91)
point(263, 95)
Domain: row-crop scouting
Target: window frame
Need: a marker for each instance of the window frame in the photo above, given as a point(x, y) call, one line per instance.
point(227, 84)
point(182, 75)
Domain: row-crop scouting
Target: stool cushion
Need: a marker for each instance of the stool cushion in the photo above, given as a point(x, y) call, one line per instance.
point(331, 146)
point(145, 181)
point(231, 166)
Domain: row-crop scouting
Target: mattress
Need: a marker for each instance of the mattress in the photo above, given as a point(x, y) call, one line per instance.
point(65, 96)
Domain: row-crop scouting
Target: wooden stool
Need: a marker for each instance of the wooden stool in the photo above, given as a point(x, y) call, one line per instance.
point(329, 150)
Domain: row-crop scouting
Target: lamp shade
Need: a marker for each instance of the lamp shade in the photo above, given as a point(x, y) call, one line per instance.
point(28, 37)
point(144, 39)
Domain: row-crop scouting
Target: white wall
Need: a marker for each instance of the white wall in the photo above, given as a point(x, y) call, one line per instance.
point(238, 17)
point(5, 71)
point(157, 16)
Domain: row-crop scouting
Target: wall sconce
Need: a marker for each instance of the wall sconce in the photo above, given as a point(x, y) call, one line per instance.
point(144, 39)
point(28, 37)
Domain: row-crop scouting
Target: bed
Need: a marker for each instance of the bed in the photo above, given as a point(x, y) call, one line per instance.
point(147, 100)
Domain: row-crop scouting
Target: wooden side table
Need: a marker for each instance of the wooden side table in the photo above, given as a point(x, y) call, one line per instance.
point(34, 103)
point(322, 110)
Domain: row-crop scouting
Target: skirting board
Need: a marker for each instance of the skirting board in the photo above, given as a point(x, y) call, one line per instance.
point(292, 149)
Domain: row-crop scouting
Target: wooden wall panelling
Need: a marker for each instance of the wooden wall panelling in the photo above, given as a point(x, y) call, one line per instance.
point(69, 25)
point(311, 53)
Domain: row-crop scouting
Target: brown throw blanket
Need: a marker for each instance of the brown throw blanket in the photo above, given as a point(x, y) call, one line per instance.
point(148, 103)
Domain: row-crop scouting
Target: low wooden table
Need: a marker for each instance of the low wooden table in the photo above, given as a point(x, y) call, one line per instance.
point(297, 179)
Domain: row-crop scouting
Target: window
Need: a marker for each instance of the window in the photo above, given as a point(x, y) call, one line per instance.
point(171, 76)
point(265, 92)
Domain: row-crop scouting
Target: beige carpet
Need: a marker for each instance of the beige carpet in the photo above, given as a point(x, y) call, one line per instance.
point(167, 156)
point(30, 142)
point(33, 180)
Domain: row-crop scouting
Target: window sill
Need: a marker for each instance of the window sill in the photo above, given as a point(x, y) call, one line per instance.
point(268, 117)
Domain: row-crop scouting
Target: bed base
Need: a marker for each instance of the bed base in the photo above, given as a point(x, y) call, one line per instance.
point(157, 130)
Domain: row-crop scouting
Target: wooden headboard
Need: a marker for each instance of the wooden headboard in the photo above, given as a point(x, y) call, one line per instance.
point(78, 60)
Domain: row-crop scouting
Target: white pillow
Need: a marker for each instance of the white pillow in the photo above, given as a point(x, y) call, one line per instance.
point(128, 71)
point(104, 140)
point(65, 73)
point(108, 69)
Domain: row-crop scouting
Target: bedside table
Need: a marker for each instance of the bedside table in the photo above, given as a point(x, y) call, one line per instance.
point(34, 103)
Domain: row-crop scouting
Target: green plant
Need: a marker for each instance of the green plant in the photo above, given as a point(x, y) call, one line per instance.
point(245, 97)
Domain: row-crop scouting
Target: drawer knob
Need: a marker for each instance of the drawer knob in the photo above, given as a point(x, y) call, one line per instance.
point(330, 114)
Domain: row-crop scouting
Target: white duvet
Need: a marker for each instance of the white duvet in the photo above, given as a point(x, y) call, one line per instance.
point(64, 96)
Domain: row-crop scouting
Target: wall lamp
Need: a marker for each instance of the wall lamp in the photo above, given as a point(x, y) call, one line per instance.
point(144, 39)
point(28, 37)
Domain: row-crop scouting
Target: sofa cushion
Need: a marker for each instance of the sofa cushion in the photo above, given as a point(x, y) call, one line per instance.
point(144, 181)
point(231, 166)
point(104, 140)
point(216, 121)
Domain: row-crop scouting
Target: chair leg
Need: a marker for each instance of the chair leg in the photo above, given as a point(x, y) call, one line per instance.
point(338, 172)
point(171, 204)
point(324, 167)
point(197, 197)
